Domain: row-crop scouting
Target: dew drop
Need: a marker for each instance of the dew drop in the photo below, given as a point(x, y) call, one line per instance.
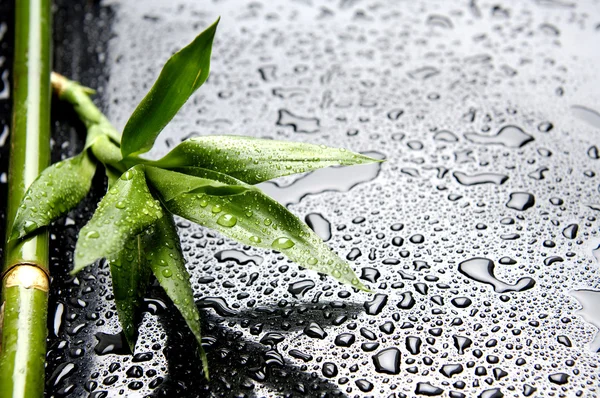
point(92, 235)
point(226, 220)
point(282, 243)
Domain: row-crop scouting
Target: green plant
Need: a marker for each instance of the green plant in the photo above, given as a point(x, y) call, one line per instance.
point(24, 273)
point(207, 180)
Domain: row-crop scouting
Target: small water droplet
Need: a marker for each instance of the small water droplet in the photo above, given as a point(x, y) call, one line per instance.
point(92, 235)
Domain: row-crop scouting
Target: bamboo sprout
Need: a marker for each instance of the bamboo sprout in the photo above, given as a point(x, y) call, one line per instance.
point(25, 280)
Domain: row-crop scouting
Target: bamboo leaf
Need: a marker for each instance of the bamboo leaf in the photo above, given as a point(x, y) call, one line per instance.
point(250, 217)
point(130, 279)
point(127, 210)
point(164, 257)
point(255, 160)
point(174, 184)
point(183, 73)
point(58, 189)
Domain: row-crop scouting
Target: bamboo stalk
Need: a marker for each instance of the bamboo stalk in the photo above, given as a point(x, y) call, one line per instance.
point(25, 280)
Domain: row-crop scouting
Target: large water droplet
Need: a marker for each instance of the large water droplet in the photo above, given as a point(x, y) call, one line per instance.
point(482, 270)
point(299, 124)
point(478, 179)
point(227, 220)
point(509, 136)
point(387, 361)
point(282, 243)
point(590, 302)
point(520, 201)
point(299, 288)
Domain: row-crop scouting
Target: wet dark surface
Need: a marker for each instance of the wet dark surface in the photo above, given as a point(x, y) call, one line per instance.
point(479, 234)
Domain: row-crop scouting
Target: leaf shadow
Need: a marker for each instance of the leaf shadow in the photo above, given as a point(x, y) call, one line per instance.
point(240, 365)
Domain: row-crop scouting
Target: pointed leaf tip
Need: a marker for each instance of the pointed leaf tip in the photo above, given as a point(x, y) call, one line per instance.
point(250, 217)
point(183, 74)
point(255, 160)
point(164, 257)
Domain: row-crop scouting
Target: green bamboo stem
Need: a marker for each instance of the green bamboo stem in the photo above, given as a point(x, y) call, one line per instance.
point(25, 270)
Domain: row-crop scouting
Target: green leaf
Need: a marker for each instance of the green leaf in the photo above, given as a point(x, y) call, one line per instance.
point(255, 160)
point(127, 210)
point(183, 73)
point(130, 278)
point(172, 187)
point(164, 257)
point(57, 190)
point(250, 217)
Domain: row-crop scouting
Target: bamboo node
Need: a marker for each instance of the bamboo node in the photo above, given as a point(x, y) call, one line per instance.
point(27, 276)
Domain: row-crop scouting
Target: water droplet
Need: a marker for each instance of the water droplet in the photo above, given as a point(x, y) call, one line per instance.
point(370, 274)
point(299, 288)
point(445, 136)
point(407, 301)
point(520, 201)
point(428, 389)
point(461, 302)
point(92, 235)
point(559, 378)
point(315, 331)
point(226, 220)
point(450, 370)
point(216, 303)
point(299, 124)
point(482, 178)
point(387, 361)
point(590, 302)
point(509, 136)
point(364, 385)
point(482, 270)
point(238, 256)
point(319, 224)
point(329, 369)
point(128, 175)
point(282, 243)
point(570, 232)
point(461, 343)
point(345, 339)
point(111, 344)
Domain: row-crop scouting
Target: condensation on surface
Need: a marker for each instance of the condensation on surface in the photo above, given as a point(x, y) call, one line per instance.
point(479, 235)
